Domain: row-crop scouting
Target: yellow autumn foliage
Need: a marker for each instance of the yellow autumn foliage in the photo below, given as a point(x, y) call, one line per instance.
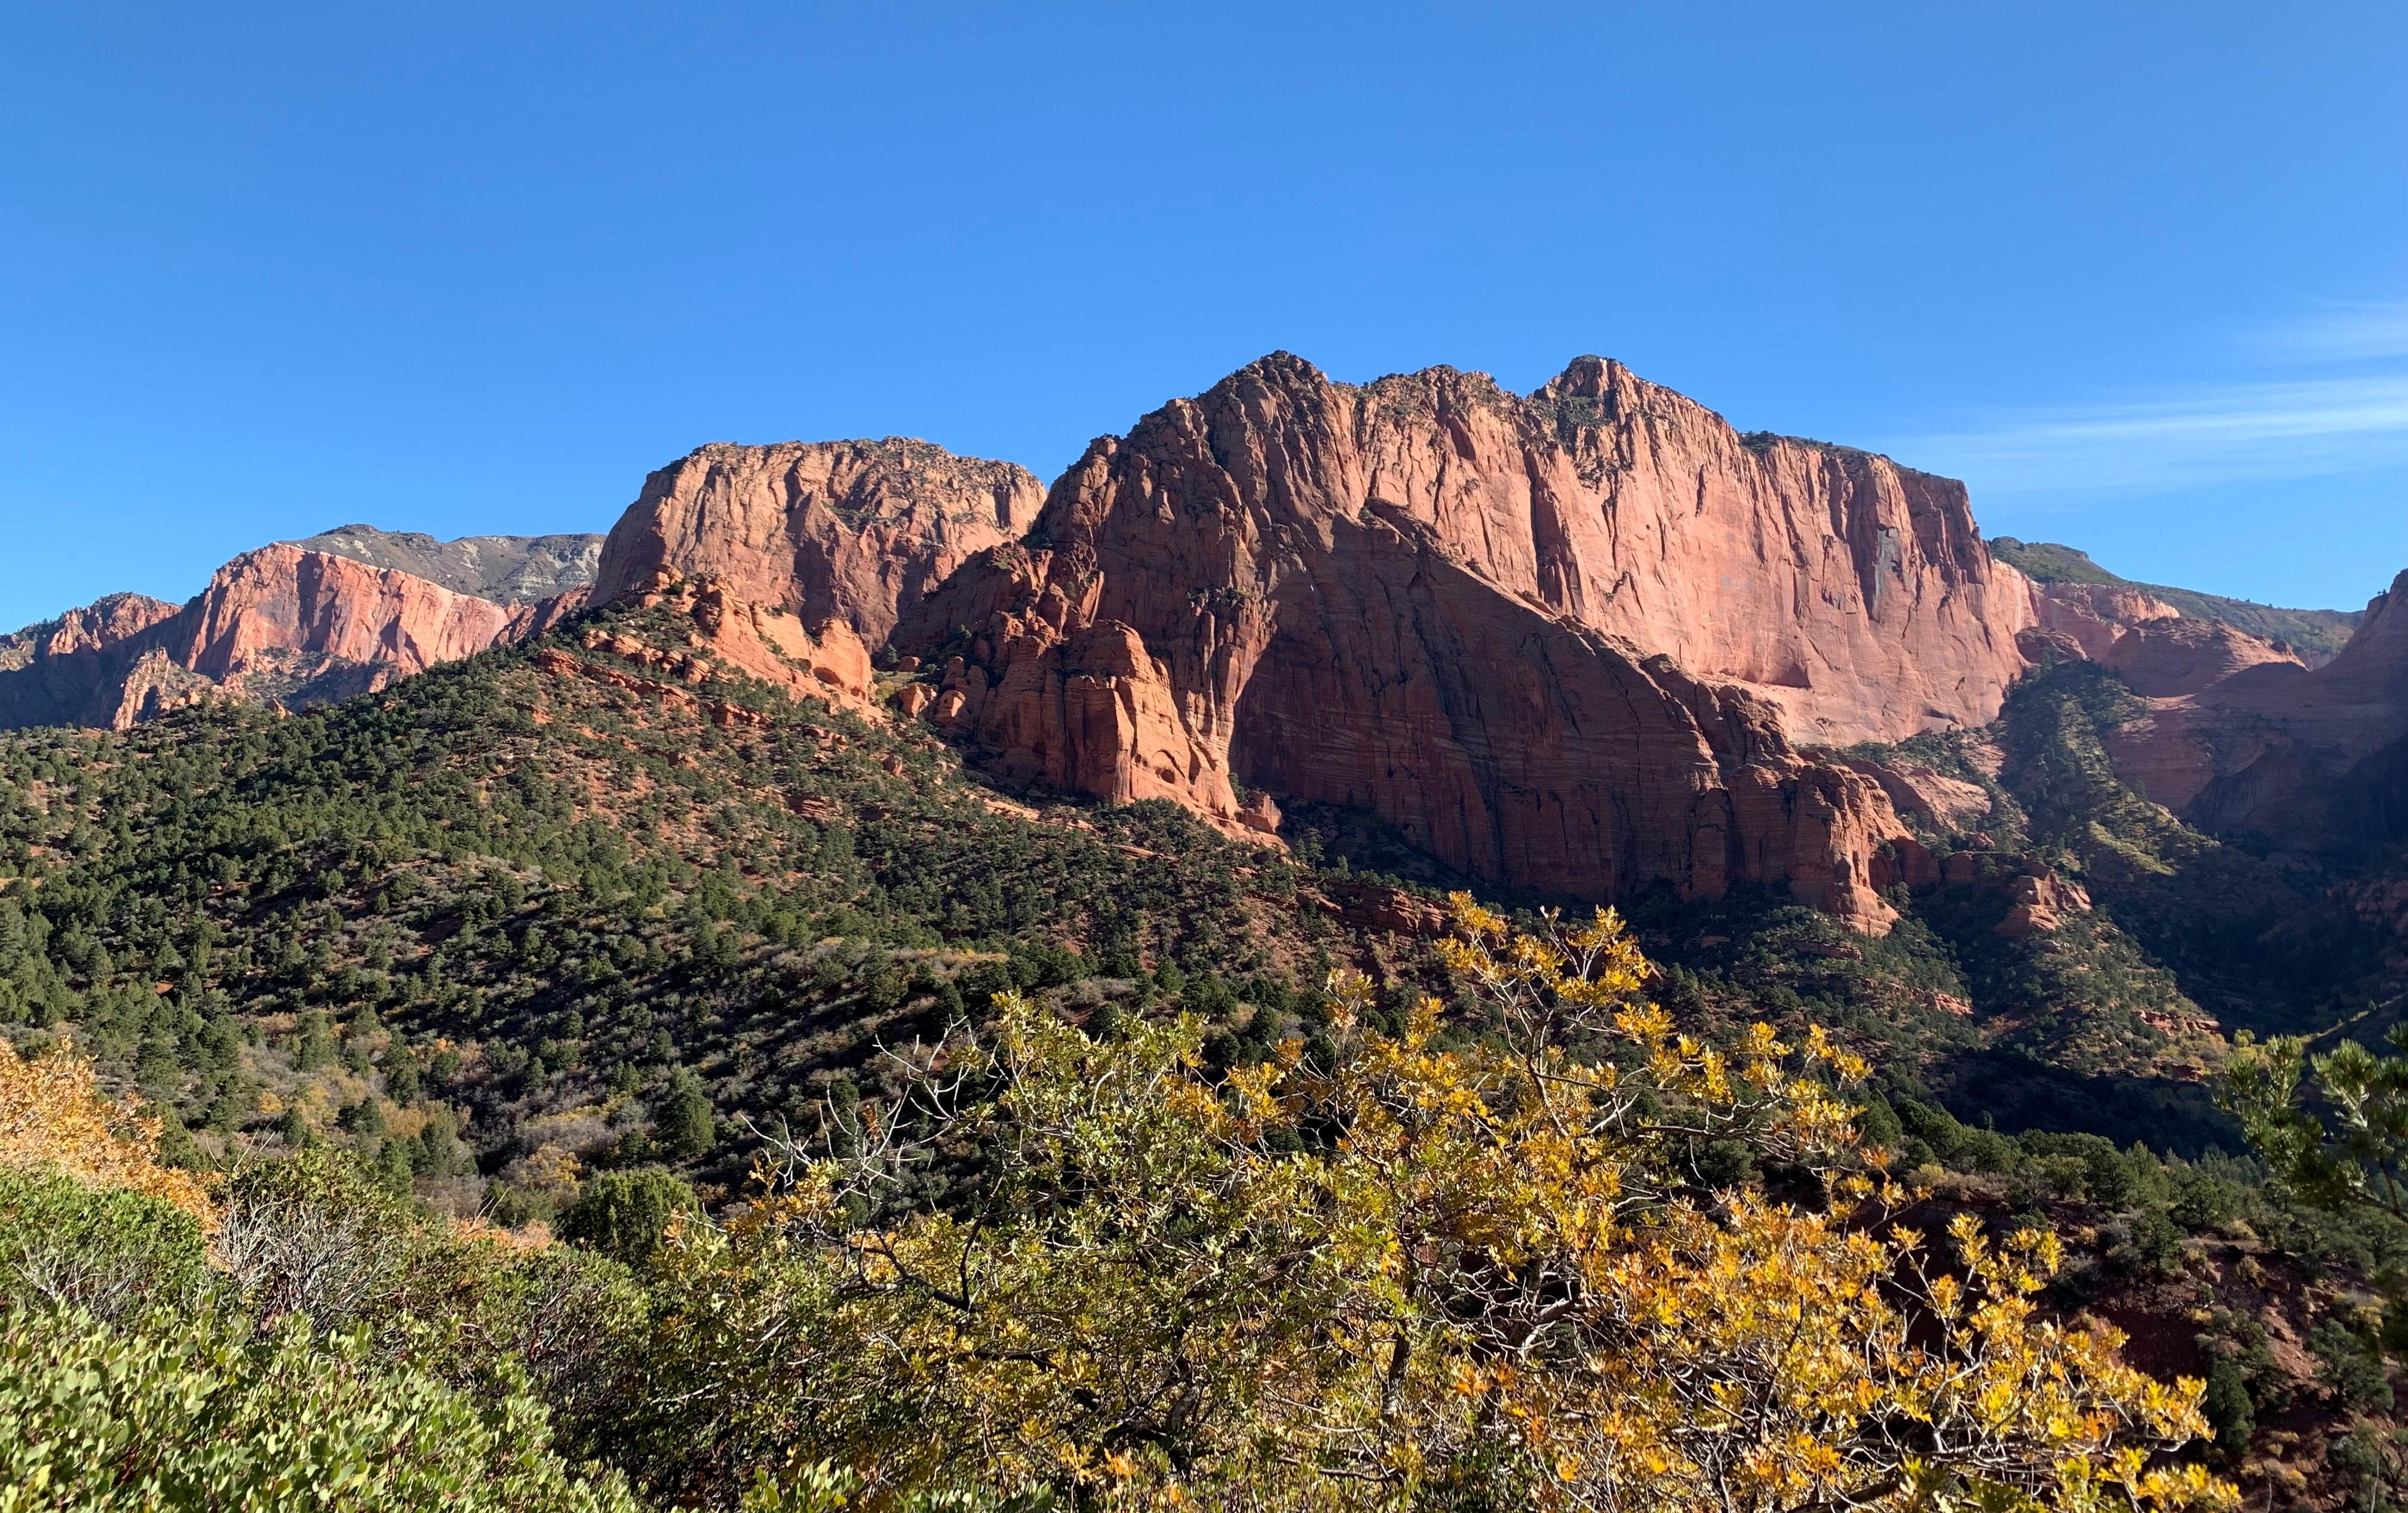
point(54, 1114)
point(1424, 1270)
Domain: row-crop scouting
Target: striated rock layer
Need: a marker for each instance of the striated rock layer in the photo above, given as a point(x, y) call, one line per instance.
point(281, 626)
point(851, 530)
point(1425, 598)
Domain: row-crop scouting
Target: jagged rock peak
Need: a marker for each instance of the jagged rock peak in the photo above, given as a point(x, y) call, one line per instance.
point(855, 530)
point(505, 569)
point(104, 622)
point(1854, 595)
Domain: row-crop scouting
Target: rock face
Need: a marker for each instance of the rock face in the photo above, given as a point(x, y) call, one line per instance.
point(2305, 759)
point(851, 530)
point(1922, 790)
point(827, 661)
point(1423, 597)
point(71, 670)
point(2160, 652)
point(1850, 592)
point(279, 601)
point(281, 626)
point(507, 569)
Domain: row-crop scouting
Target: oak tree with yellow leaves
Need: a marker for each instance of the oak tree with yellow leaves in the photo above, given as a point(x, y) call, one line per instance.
point(1400, 1275)
point(54, 1114)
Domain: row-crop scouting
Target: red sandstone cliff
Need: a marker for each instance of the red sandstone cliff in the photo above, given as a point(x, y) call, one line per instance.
point(267, 604)
point(1411, 598)
point(851, 530)
point(1851, 594)
point(280, 625)
point(72, 670)
point(2308, 760)
point(2160, 652)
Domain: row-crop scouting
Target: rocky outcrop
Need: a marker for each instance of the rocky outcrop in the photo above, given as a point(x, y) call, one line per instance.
point(826, 661)
point(70, 671)
point(2092, 617)
point(1935, 799)
point(281, 626)
point(505, 569)
point(1403, 599)
point(2039, 902)
point(853, 530)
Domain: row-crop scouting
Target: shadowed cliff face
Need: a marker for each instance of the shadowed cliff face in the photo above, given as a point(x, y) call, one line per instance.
point(2303, 759)
point(1407, 598)
point(280, 625)
point(853, 530)
point(72, 670)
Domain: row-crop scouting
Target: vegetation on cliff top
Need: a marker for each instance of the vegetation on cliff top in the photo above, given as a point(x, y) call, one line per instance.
point(2321, 631)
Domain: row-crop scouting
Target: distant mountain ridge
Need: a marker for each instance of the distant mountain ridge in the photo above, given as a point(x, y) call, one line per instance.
point(2318, 633)
point(504, 569)
point(294, 624)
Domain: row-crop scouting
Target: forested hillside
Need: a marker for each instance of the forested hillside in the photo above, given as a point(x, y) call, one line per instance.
point(515, 962)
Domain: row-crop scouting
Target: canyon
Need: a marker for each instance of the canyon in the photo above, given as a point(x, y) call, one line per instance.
point(1577, 642)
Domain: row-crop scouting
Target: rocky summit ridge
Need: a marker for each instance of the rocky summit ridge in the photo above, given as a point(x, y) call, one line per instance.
point(1580, 642)
point(504, 569)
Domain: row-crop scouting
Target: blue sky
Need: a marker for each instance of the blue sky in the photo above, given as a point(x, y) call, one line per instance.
point(2138, 272)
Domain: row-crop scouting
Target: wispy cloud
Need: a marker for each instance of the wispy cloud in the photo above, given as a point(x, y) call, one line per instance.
point(2343, 331)
point(2346, 412)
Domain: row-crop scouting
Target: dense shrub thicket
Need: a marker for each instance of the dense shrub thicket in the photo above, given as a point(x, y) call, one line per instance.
point(1383, 1274)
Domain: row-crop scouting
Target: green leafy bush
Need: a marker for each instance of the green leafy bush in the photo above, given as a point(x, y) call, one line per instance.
point(111, 1253)
point(197, 1413)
